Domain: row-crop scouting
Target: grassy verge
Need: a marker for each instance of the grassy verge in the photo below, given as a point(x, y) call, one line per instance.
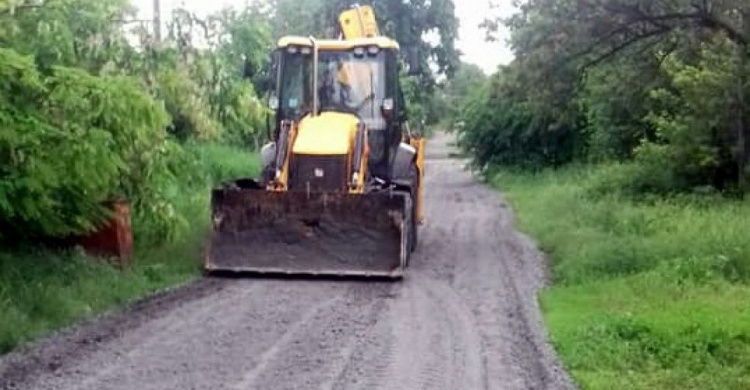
point(43, 291)
point(648, 294)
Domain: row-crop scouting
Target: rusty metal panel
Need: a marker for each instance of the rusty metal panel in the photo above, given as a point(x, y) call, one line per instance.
point(114, 239)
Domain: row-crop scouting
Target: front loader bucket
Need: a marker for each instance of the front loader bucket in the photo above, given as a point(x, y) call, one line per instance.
point(292, 233)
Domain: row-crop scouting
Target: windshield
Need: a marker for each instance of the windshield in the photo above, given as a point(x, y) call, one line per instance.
point(346, 82)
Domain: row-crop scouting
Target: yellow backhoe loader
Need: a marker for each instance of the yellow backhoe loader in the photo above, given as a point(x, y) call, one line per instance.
point(341, 188)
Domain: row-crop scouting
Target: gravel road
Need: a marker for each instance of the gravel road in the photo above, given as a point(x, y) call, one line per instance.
point(464, 318)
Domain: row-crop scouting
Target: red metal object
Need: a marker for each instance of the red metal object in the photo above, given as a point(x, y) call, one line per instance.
point(114, 239)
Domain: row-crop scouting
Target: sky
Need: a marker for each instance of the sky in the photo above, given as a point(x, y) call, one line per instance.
point(487, 55)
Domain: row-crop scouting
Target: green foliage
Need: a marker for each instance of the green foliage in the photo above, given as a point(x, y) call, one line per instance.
point(187, 104)
point(41, 291)
point(52, 183)
point(644, 332)
point(694, 122)
point(502, 126)
point(178, 202)
point(659, 82)
point(210, 92)
point(66, 32)
point(415, 100)
point(615, 100)
point(651, 265)
point(83, 129)
point(648, 294)
point(468, 77)
point(219, 163)
point(690, 137)
point(468, 80)
point(239, 76)
point(624, 236)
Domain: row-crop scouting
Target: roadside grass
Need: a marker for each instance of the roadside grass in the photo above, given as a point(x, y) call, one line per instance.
point(647, 294)
point(41, 290)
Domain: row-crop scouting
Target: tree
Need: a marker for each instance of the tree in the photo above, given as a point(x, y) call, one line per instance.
point(70, 141)
point(592, 66)
point(89, 115)
point(615, 98)
point(81, 33)
point(590, 32)
point(467, 81)
point(408, 22)
point(467, 78)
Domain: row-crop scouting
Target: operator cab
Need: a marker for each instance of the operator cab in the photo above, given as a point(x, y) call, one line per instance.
point(358, 77)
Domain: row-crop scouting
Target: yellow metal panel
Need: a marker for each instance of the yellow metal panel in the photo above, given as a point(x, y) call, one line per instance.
point(359, 22)
point(330, 44)
point(419, 143)
point(330, 133)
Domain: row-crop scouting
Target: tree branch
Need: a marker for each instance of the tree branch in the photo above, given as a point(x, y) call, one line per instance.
point(715, 23)
point(622, 46)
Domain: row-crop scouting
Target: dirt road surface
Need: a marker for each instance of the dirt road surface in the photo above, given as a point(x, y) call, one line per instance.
point(464, 318)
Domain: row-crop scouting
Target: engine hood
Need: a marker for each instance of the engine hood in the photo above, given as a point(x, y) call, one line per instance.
point(330, 133)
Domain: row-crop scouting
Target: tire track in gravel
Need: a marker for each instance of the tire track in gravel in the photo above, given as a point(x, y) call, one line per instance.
point(284, 342)
point(318, 349)
point(464, 318)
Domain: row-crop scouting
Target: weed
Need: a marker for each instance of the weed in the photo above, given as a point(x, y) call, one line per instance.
point(649, 293)
point(41, 291)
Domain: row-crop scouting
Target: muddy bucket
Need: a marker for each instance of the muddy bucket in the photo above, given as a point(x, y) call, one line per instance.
point(293, 233)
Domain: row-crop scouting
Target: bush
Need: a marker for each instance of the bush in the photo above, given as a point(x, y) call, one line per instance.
point(649, 293)
point(615, 102)
point(185, 101)
point(219, 162)
point(41, 291)
point(178, 203)
point(70, 141)
point(505, 126)
point(651, 174)
point(597, 234)
point(693, 118)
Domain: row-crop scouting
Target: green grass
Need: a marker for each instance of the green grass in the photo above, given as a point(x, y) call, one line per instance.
point(222, 162)
point(41, 291)
point(648, 294)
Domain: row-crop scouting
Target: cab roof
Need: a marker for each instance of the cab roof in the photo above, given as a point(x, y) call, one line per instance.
point(335, 44)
